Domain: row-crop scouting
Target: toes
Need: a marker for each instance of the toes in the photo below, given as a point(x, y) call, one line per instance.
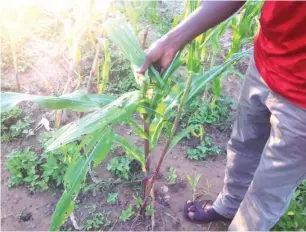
point(192, 208)
point(191, 215)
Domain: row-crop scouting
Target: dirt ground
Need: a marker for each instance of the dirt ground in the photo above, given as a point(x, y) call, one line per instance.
point(22, 210)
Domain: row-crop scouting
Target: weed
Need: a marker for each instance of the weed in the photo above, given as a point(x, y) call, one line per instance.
point(112, 198)
point(40, 172)
point(55, 167)
point(91, 187)
point(127, 213)
point(172, 175)
point(120, 167)
point(14, 124)
point(56, 162)
point(149, 210)
point(96, 221)
point(205, 113)
point(294, 218)
point(24, 168)
point(120, 67)
point(204, 150)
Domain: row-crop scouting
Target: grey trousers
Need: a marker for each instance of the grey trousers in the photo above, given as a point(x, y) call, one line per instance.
point(266, 157)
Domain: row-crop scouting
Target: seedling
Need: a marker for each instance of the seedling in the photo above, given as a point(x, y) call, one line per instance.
point(172, 175)
point(96, 220)
point(14, 124)
point(204, 150)
point(112, 198)
point(120, 166)
point(127, 214)
point(193, 182)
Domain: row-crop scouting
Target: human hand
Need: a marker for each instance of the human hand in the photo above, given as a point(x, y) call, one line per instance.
point(161, 53)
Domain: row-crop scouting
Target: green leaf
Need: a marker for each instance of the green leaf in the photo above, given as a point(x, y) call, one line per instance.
point(199, 81)
point(103, 148)
point(290, 213)
point(121, 34)
point(75, 101)
point(74, 178)
point(130, 150)
point(179, 136)
point(196, 179)
point(189, 180)
point(120, 109)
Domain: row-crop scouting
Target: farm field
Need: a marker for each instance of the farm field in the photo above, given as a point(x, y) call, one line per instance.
point(84, 133)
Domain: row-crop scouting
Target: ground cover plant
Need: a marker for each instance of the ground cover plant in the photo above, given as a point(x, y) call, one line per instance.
point(153, 106)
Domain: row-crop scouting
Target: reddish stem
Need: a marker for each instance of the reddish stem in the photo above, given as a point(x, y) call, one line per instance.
point(146, 143)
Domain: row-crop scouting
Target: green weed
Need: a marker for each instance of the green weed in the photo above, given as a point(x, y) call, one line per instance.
point(96, 220)
point(40, 172)
point(24, 167)
point(120, 166)
point(200, 113)
point(120, 67)
point(14, 124)
point(112, 198)
point(127, 213)
point(294, 218)
point(204, 150)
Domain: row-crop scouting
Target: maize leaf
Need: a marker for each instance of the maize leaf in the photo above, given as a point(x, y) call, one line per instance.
point(77, 100)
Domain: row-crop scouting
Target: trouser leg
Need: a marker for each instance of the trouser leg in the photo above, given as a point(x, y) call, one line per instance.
point(281, 169)
point(249, 136)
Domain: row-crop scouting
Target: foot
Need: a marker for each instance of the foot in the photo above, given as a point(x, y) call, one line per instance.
point(202, 212)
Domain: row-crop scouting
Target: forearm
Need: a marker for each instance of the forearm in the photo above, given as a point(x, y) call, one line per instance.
point(205, 17)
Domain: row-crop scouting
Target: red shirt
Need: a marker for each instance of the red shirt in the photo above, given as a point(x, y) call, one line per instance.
point(280, 49)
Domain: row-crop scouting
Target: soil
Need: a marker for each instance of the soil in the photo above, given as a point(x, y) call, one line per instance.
point(25, 211)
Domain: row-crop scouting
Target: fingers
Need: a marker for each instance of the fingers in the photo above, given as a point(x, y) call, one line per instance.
point(147, 62)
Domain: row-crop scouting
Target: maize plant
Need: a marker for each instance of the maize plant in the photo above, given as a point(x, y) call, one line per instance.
point(16, 26)
point(157, 101)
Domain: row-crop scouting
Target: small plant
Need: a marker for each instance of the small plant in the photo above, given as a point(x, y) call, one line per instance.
point(56, 162)
point(112, 198)
point(55, 167)
point(120, 66)
point(24, 168)
point(96, 221)
point(199, 113)
point(120, 166)
point(204, 150)
point(149, 210)
point(14, 124)
point(127, 213)
point(193, 182)
point(294, 218)
point(172, 175)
